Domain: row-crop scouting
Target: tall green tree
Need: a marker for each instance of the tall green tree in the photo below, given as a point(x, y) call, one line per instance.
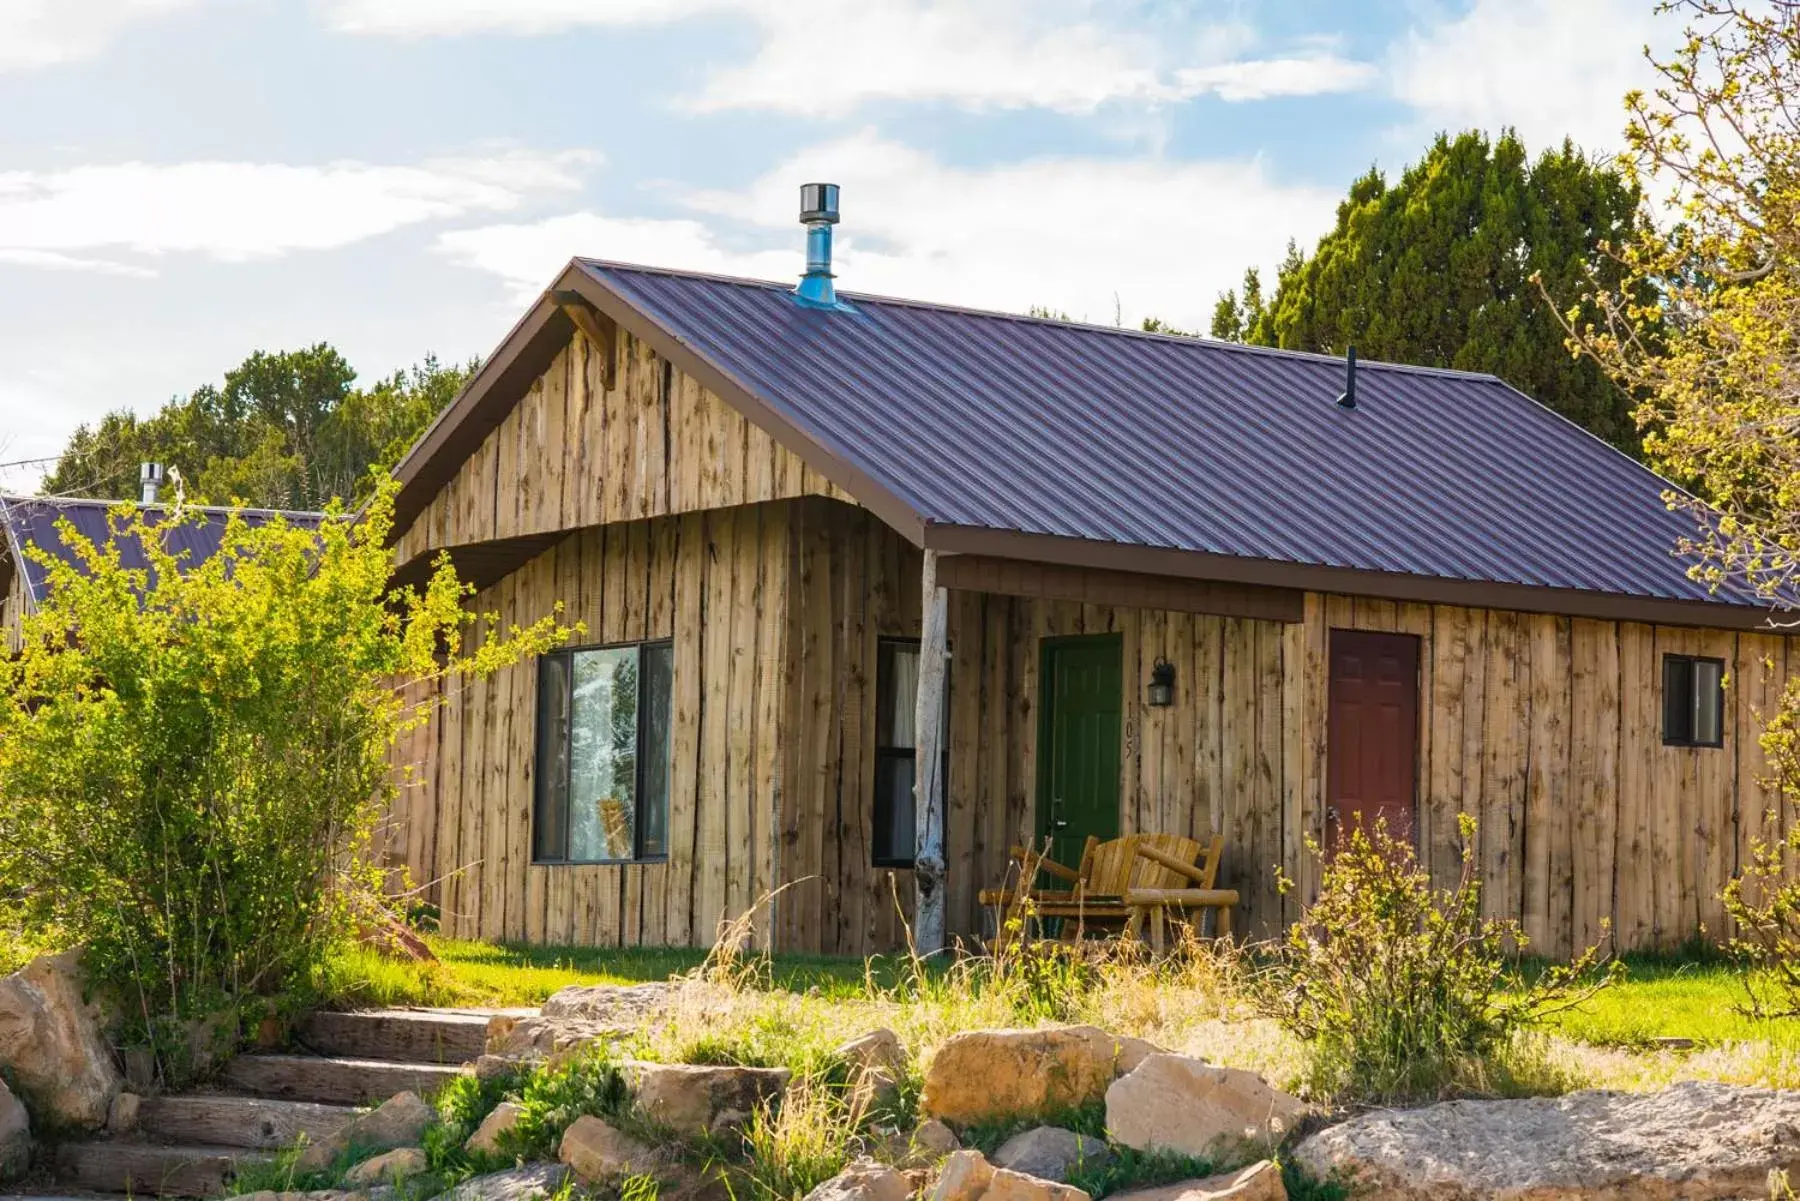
point(1438, 269)
point(286, 430)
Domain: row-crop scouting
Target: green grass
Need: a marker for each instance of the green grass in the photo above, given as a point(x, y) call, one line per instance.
point(1699, 998)
point(507, 974)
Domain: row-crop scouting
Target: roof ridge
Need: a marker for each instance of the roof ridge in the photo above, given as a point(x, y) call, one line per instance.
point(1201, 340)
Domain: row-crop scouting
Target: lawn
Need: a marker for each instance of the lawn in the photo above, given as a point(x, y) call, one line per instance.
point(1610, 1040)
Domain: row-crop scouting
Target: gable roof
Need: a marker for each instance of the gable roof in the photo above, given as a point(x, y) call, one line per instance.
point(999, 434)
point(32, 521)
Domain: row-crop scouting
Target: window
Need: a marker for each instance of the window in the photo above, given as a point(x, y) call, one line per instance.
point(1693, 701)
point(897, 693)
point(603, 754)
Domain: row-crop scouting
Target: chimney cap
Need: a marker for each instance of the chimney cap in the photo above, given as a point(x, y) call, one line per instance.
point(150, 481)
point(818, 203)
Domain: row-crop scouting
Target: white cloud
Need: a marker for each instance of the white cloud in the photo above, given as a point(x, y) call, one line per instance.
point(826, 56)
point(1069, 233)
point(1549, 68)
point(116, 217)
point(42, 33)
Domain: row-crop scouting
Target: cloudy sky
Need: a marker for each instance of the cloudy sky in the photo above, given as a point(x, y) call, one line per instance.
point(185, 181)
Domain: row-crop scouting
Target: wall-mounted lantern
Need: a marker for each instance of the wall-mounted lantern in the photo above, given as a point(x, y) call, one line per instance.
point(1161, 693)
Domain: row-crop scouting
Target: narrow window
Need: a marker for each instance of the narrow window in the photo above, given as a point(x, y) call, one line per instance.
point(1693, 701)
point(603, 754)
point(896, 750)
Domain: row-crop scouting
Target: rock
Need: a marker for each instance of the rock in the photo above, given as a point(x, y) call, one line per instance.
point(387, 1168)
point(122, 1116)
point(1258, 1182)
point(1696, 1141)
point(51, 1046)
point(1050, 1152)
point(982, 1075)
point(399, 1121)
point(1178, 1103)
point(486, 1139)
point(511, 1039)
point(686, 1098)
point(618, 1004)
point(728, 1121)
point(492, 1067)
point(876, 1049)
point(530, 1183)
point(935, 1140)
point(864, 1180)
point(964, 1177)
point(15, 1135)
point(967, 1176)
point(597, 1151)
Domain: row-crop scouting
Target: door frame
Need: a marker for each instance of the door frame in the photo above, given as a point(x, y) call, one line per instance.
point(1418, 725)
point(1047, 646)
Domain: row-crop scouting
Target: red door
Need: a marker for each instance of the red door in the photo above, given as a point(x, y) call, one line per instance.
point(1372, 739)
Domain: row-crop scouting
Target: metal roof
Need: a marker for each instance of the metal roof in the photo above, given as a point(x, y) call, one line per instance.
point(999, 422)
point(32, 520)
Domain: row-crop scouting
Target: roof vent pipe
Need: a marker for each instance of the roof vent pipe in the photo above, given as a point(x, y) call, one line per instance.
point(818, 212)
point(150, 480)
point(1347, 399)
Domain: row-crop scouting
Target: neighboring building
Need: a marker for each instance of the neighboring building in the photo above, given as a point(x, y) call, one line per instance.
point(1444, 598)
point(33, 520)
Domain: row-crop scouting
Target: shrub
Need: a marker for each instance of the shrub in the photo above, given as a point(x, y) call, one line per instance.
point(553, 1096)
point(1405, 991)
point(194, 756)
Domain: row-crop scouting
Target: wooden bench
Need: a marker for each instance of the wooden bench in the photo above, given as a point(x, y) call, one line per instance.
point(1194, 894)
point(1101, 885)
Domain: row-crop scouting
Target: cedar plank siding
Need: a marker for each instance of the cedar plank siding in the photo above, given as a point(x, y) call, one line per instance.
point(687, 522)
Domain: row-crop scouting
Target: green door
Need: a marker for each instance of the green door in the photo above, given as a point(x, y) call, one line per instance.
point(1081, 705)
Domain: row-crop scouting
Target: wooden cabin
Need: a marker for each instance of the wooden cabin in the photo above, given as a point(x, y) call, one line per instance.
point(1433, 597)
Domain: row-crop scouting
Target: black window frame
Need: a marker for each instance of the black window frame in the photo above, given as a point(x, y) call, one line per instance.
point(543, 754)
point(1681, 682)
point(884, 645)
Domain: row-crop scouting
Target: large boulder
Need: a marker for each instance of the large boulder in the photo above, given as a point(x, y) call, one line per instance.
point(864, 1180)
point(1694, 1141)
point(531, 1183)
point(985, 1075)
point(399, 1121)
point(690, 1098)
point(15, 1135)
point(1258, 1182)
point(598, 1152)
point(1050, 1152)
point(51, 1045)
point(1179, 1103)
point(968, 1176)
point(614, 1004)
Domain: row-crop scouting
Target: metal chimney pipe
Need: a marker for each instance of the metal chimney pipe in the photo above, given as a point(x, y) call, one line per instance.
point(1347, 399)
point(150, 480)
point(818, 212)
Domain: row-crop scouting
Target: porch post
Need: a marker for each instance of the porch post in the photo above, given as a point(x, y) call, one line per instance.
point(928, 776)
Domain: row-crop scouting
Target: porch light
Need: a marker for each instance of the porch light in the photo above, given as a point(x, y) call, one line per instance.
point(1161, 693)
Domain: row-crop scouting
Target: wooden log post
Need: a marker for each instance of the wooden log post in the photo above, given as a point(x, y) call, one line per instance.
point(928, 776)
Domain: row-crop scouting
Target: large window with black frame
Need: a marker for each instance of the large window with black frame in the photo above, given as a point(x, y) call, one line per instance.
point(896, 750)
point(603, 754)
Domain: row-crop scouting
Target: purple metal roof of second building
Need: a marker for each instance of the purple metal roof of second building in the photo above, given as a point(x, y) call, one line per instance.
point(1047, 427)
point(32, 520)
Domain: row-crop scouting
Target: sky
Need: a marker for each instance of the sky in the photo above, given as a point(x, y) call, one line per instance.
point(183, 182)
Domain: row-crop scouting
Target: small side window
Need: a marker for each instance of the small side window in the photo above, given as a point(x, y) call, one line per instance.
point(1693, 701)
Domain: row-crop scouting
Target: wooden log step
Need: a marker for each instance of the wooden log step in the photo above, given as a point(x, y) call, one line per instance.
point(150, 1169)
point(409, 1035)
point(225, 1121)
point(334, 1080)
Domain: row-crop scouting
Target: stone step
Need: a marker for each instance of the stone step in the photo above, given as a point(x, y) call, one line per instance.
point(261, 1123)
point(333, 1080)
point(149, 1169)
point(407, 1035)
